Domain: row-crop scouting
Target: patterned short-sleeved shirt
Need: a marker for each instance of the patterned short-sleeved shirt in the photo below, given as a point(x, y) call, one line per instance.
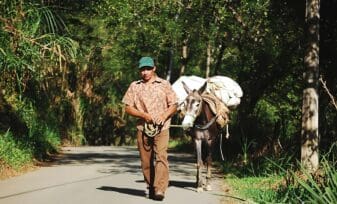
point(154, 98)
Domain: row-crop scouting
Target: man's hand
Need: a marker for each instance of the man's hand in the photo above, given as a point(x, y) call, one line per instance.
point(160, 120)
point(147, 117)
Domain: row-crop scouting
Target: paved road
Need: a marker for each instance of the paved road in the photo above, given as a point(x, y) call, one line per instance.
point(105, 175)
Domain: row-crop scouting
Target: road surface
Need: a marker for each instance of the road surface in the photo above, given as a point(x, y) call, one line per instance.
point(106, 174)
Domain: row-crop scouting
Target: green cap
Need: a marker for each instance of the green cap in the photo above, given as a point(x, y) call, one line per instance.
point(146, 62)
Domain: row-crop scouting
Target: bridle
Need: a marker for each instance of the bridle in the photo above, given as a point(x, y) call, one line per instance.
point(207, 125)
point(200, 127)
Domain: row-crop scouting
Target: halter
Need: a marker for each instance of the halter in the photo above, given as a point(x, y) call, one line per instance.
point(207, 125)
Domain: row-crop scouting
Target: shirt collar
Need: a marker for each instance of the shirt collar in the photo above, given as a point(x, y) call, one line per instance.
point(156, 80)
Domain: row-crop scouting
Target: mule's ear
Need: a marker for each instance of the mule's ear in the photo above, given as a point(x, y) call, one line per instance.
point(203, 88)
point(188, 90)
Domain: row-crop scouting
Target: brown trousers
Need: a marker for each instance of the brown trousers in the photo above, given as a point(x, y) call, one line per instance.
point(153, 155)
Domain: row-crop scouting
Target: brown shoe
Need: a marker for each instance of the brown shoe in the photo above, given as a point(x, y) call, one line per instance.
point(159, 195)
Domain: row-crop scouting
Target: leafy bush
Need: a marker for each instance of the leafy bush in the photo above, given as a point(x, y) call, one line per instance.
point(14, 153)
point(42, 138)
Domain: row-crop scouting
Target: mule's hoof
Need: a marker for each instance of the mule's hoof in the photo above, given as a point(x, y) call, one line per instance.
point(200, 189)
point(208, 188)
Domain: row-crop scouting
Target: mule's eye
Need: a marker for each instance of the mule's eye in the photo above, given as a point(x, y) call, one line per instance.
point(197, 104)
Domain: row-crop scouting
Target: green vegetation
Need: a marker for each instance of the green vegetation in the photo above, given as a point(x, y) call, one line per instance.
point(65, 65)
point(278, 180)
point(318, 188)
point(13, 153)
point(260, 189)
point(182, 144)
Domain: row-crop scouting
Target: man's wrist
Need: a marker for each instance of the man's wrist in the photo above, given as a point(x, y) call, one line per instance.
point(143, 115)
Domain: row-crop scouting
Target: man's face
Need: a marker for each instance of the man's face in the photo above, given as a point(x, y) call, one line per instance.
point(147, 72)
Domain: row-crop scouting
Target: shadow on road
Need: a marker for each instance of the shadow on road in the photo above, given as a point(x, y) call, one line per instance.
point(178, 184)
point(129, 191)
point(111, 160)
point(121, 160)
point(186, 185)
point(182, 184)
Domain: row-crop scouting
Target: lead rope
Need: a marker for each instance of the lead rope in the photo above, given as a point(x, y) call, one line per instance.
point(151, 130)
point(227, 136)
point(221, 147)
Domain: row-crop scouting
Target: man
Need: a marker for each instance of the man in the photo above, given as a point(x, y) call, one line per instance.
point(153, 101)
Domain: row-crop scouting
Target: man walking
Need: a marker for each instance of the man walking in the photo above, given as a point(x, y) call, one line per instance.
point(153, 101)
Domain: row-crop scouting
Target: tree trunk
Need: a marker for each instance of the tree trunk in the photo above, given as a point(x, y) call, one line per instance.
point(184, 57)
point(219, 57)
point(170, 64)
point(209, 59)
point(309, 133)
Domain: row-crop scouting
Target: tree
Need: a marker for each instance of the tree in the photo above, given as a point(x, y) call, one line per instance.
point(310, 134)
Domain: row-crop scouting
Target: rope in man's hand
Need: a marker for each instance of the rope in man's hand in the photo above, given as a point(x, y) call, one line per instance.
point(151, 129)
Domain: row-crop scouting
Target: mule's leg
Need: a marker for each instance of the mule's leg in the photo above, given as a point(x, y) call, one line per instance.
point(208, 177)
point(199, 165)
point(209, 166)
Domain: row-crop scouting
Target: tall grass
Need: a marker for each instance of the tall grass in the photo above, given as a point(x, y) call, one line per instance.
point(320, 187)
point(42, 138)
point(321, 190)
point(274, 180)
point(14, 153)
point(257, 180)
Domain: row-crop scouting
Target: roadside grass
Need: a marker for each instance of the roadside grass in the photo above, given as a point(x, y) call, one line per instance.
point(18, 155)
point(257, 181)
point(317, 187)
point(259, 189)
point(13, 153)
point(181, 144)
point(19, 152)
point(278, 180)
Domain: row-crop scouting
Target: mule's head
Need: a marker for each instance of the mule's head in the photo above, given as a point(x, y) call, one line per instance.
point(192, 105)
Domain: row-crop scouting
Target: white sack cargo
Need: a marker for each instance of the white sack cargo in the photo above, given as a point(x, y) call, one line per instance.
point(225, 88)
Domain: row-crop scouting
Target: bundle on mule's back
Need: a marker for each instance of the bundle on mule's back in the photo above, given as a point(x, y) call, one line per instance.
point(224, 88)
